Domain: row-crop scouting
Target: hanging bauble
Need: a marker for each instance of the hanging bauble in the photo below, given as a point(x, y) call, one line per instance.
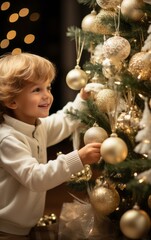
point(87, 23)
point(106, 100)
point(135, 223)
point(101, 27)
point(116, 47)
point(95, 134)
point(138, 66)
point(133, 9)
point(108, 4)
point(76, 78)
point(111, 67)
point(104, 199)
point(114, 150)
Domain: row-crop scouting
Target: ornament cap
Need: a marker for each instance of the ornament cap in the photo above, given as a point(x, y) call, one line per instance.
point(113, 135)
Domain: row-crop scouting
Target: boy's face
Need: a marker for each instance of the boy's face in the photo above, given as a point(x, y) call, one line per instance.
point(33, 102)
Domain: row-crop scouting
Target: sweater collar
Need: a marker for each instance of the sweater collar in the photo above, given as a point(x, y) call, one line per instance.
point(20, 126)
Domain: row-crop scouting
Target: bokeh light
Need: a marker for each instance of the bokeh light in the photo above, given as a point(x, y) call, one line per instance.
point(5, 6)
point(29, 38)
point(13, 17)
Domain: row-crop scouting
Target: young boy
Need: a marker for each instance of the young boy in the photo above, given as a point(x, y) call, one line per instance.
point(26, 130)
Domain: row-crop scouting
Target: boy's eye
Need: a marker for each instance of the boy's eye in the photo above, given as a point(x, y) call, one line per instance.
point(36, 89)
point(49, 88)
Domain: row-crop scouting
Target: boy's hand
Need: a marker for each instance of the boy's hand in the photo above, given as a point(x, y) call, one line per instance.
point(90, 153)
point(84, 94)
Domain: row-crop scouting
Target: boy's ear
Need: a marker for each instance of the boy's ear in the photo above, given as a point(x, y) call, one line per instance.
point(11, 105)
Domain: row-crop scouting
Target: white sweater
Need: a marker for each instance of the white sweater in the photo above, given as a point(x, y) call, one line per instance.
point(25, 173)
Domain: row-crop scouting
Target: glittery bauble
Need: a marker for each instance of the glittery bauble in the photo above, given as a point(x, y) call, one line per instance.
point(101, 27)
point(110, 67)
point(138, 66)
point(108, 4)
point(114, 150)
point(88, 22)
point(132, 9)
point(135, 223)
point(76, 78)
point(104, 200)
point(117, 47)
point(95, 134)
point(106, 100)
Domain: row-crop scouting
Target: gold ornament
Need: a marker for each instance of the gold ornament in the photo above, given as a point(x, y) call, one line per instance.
point(133, 9)
point(104, 199)
point(95, 134)
point(129, 121)
point(135, 223)
point(76, 78)
point(108, 4)
point(47, 220)
point(101, 27)
point(87, 23)
point(111, 67)
point(114, 150)
point(139, 67)
point(106, 100)
point(116, 47)
point(84, 175)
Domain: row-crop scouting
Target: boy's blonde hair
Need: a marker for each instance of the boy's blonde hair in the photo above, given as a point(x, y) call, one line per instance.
point(16, 71)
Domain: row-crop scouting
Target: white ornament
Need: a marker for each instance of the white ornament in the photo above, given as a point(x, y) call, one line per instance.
point(116, 47)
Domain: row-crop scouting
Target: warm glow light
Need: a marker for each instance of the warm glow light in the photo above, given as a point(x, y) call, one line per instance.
point(34, 16)
point(4, 43)
point(11, 34)
point(23, 12)
point(16, 51)
point(29, 38)
point(13, 17)
point(5, 6)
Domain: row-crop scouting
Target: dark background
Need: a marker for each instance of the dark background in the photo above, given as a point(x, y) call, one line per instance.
point(50, 37)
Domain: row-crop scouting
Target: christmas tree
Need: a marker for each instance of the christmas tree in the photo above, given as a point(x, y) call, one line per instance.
point(116, 35)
